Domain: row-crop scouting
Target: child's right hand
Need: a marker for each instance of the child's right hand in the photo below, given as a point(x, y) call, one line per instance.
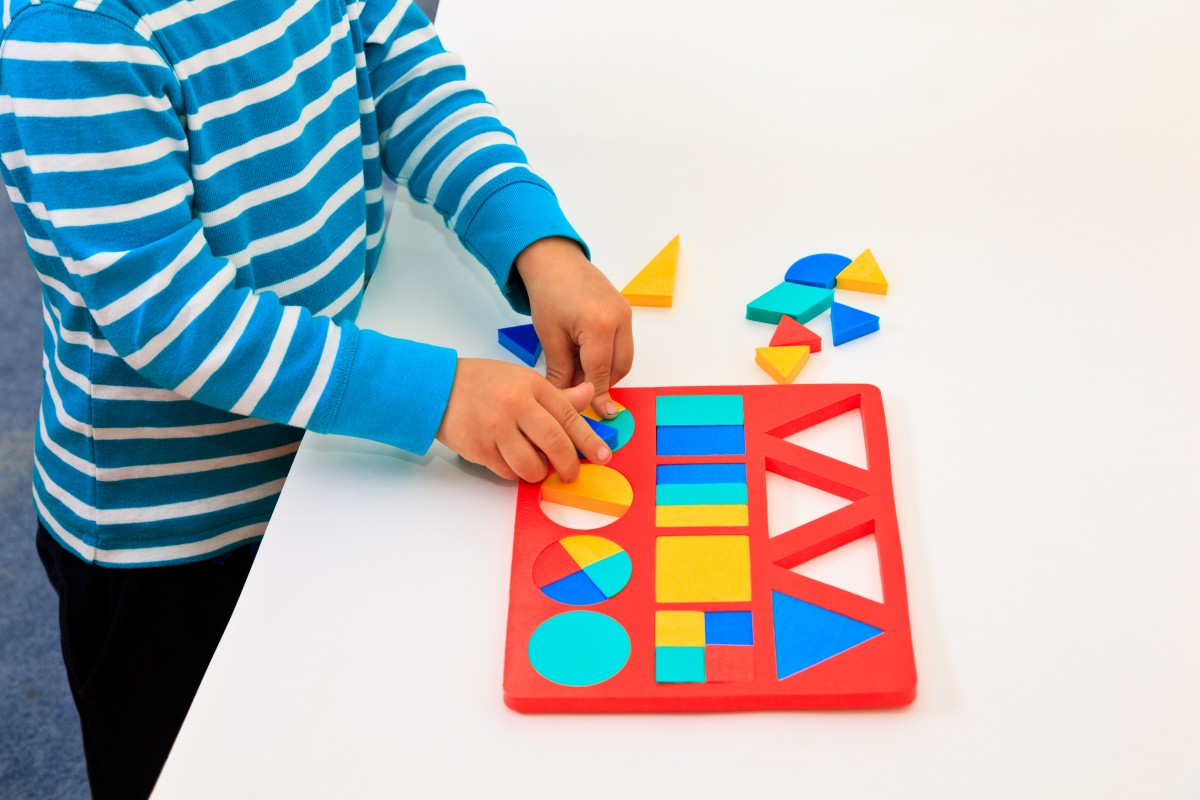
point(512, 421)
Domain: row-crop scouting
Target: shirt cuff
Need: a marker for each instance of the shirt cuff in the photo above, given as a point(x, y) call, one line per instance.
point(515, 216)
point(393, 391)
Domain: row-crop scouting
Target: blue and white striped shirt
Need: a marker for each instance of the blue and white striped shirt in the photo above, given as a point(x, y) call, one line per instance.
point(200, 185)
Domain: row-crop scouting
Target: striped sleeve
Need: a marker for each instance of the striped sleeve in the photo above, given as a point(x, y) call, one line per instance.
point(441, 138)
point(94, 153)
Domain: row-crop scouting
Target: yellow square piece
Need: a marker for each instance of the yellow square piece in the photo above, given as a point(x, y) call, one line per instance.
point(702, 569)
point(679, 629)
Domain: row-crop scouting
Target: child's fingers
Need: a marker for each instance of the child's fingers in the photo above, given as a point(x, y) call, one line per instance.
point(546, 434)
point(580, 433)
point(521, 458)
point(560, 359)
point(622, 352)
point(596, 357)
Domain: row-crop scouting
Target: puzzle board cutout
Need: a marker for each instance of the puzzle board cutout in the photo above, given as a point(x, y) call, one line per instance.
point(688, 602)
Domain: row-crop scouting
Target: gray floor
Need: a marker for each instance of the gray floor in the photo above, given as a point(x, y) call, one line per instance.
point(40, 752)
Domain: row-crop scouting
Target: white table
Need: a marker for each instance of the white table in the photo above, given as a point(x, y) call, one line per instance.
point(1027, 174)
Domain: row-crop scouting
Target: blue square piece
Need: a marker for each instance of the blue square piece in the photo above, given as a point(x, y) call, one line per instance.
point(728, 627)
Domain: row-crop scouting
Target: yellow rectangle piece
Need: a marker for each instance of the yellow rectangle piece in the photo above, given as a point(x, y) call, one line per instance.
point(702, 516)
point(679, 629)
point(702, 569)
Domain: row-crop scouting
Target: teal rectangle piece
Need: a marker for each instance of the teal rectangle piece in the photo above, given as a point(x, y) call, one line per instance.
point(699, 409)
point(701, 494)
point(679, 665)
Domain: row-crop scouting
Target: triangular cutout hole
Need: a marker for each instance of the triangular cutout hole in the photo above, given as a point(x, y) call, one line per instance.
point(791, 503)
point(853, 567)
point(839, 437)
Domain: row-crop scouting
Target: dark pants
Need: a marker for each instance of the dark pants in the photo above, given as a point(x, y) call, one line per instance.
point(136, 643)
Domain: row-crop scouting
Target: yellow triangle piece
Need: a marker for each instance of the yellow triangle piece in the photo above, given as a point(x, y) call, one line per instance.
point(655, 284)
point(863, 275)
point(782, 363)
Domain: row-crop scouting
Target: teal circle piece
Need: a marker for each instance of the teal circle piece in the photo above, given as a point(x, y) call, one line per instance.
point(579, 648)
point(623, 422)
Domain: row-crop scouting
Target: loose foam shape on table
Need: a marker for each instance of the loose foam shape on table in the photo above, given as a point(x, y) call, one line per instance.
point(820, 270)
point(794, 300)
point(783, 364)
point(791, 334)
point(598, 488)
point(863, 275)
point(522, 341)
point(655, 284)
point(846, 665)
point(851, 323)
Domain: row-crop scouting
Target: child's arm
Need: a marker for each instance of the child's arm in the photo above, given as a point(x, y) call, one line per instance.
point(442, 139)
point(97, 160)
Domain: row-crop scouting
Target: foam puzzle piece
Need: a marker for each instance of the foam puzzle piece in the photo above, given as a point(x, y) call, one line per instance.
point(623, 422)
point(693, 410)
point(794, 300)
point(728, 664)
point(699, 473)
point(599, 489)
point(679, 628)
point(611, 574)
point(863, 275)
point(522, 341)
point(702, 440)
point(728, 627)
point(655, 284)
point(579, 648)
point(703, 516)
point(806, 634)
point(586, 549)
point(783, 364)
point(553, 564)
point(851, 323)
point(576, 589)
point(791, 334)
point(607, 433)
point(679, 664)
point(702, 569)
point(819, 269)
point(878, 672)
point(701, 494)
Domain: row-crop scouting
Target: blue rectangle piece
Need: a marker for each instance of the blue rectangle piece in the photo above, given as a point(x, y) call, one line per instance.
point(700, 473)
point(702, 440)
point(728, 627)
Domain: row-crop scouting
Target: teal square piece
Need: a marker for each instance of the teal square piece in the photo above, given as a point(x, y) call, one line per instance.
point(679, 664)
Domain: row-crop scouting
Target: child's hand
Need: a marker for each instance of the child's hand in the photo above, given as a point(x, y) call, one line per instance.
point(584, 323)
point(511, 420)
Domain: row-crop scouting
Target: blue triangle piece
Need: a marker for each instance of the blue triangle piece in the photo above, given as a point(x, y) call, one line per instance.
point(607, 433)
point(806, 635)
point(820, 270)
point(521, 341)
point(850, 323)
point(577, 589)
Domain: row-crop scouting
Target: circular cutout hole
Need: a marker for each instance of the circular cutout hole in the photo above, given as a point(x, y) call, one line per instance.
point(623, 422)
point(579, 648)
point(598, 497)
point(582, 570)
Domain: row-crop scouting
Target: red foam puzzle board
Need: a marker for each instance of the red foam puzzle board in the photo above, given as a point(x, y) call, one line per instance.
point(877, 672)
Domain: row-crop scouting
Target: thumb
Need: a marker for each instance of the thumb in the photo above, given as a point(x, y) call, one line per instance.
point(580, 397)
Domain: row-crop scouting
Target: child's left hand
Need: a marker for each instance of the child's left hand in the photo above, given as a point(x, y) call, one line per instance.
point(585, 325)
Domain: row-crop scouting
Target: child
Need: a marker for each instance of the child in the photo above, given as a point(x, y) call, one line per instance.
point(200, 185)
